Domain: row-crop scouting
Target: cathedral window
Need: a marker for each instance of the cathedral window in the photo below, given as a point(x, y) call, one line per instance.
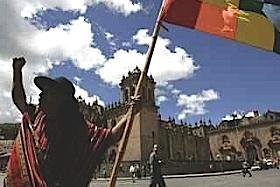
point(225, 139)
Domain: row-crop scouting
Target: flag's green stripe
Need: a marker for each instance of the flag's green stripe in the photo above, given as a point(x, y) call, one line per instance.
point(276, 47)
point(251, 5)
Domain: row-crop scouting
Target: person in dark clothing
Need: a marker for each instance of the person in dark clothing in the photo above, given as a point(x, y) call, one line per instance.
point(143, 170)
point(246, 169)
point(56, 146)
point(155, 168)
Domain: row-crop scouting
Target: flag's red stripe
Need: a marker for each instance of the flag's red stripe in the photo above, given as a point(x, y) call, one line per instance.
point(201, 16)
point(182, 12)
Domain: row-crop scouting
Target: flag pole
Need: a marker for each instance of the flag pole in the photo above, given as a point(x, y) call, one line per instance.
point(130, 116)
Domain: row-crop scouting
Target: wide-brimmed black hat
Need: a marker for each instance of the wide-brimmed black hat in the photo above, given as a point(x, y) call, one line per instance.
point(61, 85)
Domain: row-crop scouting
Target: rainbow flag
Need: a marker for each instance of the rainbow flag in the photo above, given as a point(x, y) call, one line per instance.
point(253, 22)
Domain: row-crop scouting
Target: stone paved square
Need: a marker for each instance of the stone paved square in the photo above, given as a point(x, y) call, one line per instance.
point(264, 178)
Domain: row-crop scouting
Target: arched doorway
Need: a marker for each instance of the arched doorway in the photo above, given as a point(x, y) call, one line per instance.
point(227, 150)
point(274, 142)
point(251, 153)
point(251, 146)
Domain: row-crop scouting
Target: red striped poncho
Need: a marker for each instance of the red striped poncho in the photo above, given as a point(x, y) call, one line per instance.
point(23, 167)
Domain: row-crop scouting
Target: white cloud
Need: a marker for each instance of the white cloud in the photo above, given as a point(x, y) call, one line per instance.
point(160, 91)
point(122, 62)
point(166, 65)
point(170, 86)
point(229, 117)
point(5, 74)
point(122, 6)
point(239, 115)
point(110, 38)
point(108, 35)
point(250, 115)
point(71, 41)
point(29, 10)
point(126, 44)
point(142, 37)
point(183, 114)
point(8, 112)
point(160, 99)
point(195, 104)
point(176, 92)
point(45, 48)
point(29, 7)
point(160, 95)
point(42, 49)
point(88, 98)
point(78, 80)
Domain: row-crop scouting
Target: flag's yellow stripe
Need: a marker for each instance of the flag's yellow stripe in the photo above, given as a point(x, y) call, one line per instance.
point(221, 3)
point(256, 30)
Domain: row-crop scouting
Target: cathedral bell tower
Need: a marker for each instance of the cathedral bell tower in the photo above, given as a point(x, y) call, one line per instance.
point(145, 130)
point(128, 86)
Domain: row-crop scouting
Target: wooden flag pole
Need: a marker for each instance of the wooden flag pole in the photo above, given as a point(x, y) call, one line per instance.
point(130, 117)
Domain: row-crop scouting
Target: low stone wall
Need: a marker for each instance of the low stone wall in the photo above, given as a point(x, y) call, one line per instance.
point(186, 167)
point(177, 167)
point(123, 170)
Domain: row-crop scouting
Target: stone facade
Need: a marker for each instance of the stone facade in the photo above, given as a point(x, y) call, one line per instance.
point(250, 138)
point(145, 130)
point(183, 147)
point(183, 143)
point(177, 142)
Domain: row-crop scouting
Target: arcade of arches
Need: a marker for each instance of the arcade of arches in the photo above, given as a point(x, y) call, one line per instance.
point(249, 139)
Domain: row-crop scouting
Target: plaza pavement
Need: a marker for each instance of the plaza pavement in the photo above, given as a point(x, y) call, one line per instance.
point(264, 178)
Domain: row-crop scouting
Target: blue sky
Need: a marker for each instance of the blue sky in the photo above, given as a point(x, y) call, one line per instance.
point(94, 43)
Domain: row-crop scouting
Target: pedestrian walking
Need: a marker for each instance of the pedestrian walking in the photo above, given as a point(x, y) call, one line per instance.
point(246, 169)
point(104, 172)
point(138, 171)
point(155, 168)
point(132, 172)
point(143, 170)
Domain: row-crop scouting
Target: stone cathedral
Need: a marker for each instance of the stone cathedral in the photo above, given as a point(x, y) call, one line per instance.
point(252, 138)
point(184, 148)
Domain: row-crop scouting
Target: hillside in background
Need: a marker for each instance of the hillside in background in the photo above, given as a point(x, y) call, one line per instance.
point(8, 131)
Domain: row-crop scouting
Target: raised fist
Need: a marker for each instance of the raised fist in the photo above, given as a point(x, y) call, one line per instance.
point(18, 63)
